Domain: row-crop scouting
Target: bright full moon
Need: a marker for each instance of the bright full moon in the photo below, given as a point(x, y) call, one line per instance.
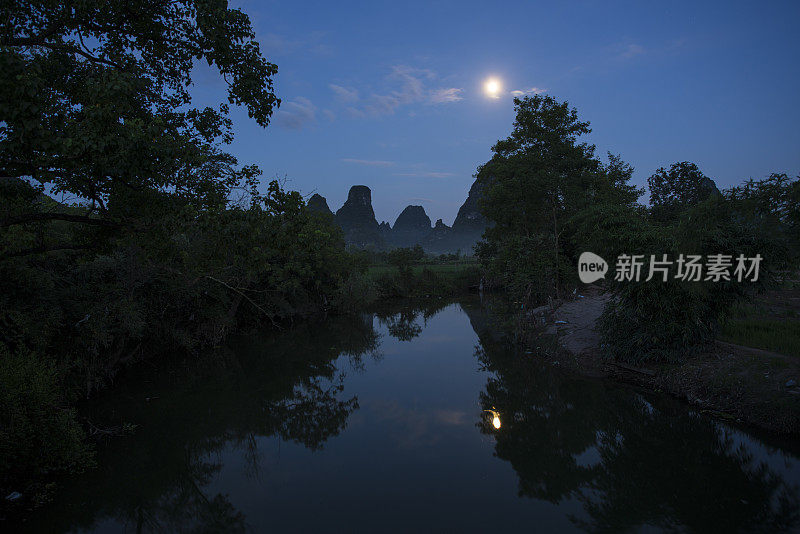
point(492, 88)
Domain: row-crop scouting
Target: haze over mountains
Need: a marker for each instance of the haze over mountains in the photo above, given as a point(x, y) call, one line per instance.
point(412, 227)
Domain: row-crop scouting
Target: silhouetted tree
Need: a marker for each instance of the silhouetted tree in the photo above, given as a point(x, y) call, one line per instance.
point(682, 187)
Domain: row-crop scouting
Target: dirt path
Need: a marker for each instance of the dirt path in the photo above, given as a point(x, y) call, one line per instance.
point(575, 322)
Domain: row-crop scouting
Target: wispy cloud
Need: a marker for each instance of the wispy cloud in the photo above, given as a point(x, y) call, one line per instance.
point(408, 84)
point(405, 86)
point(425, 174)
point(632, 50)
point(344, 94)
point(443, 96)
point(529, 91)
point(369, 162)
point(419, 199)
point(411, 82)
point(297, 113)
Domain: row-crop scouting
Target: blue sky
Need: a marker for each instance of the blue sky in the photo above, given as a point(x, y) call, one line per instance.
point(390, 94)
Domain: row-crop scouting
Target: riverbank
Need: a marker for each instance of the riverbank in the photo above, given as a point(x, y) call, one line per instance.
point(730, 381)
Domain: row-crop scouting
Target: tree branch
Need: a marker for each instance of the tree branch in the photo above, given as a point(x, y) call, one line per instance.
point(34, 40)
point(240, 293)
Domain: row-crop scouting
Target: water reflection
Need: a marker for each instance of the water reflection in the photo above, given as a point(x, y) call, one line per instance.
point(494, 419)
point(157, 480)
point(632, 461)
point(403, 322)
point(369, 423)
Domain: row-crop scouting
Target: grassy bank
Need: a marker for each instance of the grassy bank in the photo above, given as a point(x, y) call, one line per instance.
point(771, 322)
point(767, 334)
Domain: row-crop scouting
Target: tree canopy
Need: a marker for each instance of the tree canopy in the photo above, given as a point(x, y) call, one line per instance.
point(679, 188)
point(95, 99)
point(538, 178)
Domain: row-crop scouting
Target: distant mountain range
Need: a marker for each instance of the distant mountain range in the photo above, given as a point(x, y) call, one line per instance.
point(412, 227)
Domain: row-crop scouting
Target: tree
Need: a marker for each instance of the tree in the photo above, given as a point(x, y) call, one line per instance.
point(402, 258)
point(538, 178)
point(673, 191)
point(95, 101)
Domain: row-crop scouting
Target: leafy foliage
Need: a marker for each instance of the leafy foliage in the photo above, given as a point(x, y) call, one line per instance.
point(96, 102)
point(774, 204)
point(673, 191)
point(670, 320)
point(537, 180)
point(402, 258)
point(39, 435)
point(184, 281)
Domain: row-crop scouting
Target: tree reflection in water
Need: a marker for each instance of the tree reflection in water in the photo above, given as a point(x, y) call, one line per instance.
point(630, 460)
point(157, 479)
point(403, 325)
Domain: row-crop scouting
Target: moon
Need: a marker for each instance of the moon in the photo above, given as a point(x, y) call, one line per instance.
point(492, 88)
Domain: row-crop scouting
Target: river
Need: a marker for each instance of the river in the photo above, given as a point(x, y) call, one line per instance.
point(415, 418)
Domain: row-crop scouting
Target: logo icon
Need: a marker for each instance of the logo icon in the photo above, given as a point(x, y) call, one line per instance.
point(591, 267)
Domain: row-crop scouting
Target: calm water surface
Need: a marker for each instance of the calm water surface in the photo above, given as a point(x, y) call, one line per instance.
point(379, 423)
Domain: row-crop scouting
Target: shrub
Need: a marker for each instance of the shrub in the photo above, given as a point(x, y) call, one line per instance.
point(355, 290)
point(667, 321)
point(38, 435)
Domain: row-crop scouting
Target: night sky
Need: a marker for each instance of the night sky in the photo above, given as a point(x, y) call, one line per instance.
point(392, 94)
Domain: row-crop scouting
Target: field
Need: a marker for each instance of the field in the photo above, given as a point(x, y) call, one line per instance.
point(771, 322)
